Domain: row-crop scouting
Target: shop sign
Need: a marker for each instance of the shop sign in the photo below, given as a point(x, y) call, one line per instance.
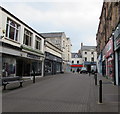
point(89, 63)
point(109, 48)
point(117, 43)
point(33, 56)
point(76, 65)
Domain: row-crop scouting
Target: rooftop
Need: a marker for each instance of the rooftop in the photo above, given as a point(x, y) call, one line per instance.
point(52, 34)
point(76, 55)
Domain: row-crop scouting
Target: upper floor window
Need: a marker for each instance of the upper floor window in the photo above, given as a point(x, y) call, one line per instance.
point(27, 37)
point(12, 30)
point(73, 62)
point(85, 58)
point(63, 44)
point(77, 62)
point(91, 52)
point(85, 52)
point(38, 43)
point(92, 59)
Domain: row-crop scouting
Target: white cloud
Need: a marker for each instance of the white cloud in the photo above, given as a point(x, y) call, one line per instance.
point(78, 19)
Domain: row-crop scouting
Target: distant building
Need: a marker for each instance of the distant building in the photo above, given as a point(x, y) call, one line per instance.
point(60, 40)
point(76, 61)
point(89, 56)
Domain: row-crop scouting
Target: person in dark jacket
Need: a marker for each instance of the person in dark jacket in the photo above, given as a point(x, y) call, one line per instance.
point(78, 70)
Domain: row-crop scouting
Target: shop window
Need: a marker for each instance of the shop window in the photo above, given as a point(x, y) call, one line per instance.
point(38, 43)
point(8, 66)
point(48, 67)
point(27, 37)
point(12, 30)
point(57, 67)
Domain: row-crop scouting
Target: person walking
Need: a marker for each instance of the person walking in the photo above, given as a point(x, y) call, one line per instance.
point(78, 70)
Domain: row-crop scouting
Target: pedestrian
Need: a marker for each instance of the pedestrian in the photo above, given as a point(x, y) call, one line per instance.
point(73, 71)
point(78, 70)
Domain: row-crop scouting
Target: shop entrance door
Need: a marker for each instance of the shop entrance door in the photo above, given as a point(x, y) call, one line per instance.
point(19, 67)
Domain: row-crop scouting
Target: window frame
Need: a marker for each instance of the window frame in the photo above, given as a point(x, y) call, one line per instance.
point(38, 39)
point(30, 36)
point(16, 28)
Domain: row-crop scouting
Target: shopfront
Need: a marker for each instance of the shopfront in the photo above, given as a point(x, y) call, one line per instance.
point(117, 53)
point(52, 65)
point(109, 59)
point(20, 66)
point(99, 65)
point(103, 63)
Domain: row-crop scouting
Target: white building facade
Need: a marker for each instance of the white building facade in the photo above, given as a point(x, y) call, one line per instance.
point(22, 47)
point(77, 61)
point(89, 56)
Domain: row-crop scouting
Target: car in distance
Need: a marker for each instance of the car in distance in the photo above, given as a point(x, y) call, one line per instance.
point(83, 70)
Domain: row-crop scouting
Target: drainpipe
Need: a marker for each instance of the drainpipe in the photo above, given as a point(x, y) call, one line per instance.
point(114, 58)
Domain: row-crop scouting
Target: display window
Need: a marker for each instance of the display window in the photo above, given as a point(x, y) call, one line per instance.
point(8, 66)
point(48, 67)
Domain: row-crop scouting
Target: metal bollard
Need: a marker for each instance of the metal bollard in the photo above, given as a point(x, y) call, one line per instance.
point(100, 91)
point(95, 76)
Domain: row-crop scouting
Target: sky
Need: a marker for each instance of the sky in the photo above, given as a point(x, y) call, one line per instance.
point(79, 19)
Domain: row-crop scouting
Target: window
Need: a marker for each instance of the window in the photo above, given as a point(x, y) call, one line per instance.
point(85, 58)
point(12, 29)
point(91, 52)
point(63, 44)
point(73, 62)
point(38, 43)
point(85, 52)
point(77, 62)
point(92, 59)
point(27, 37)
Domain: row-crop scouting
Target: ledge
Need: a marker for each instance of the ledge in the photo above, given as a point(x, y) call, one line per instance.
point(30, 49)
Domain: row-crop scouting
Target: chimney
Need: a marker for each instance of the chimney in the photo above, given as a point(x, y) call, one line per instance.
point(81, 45)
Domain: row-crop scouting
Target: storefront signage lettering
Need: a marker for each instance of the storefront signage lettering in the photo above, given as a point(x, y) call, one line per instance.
point(118, 42)
point(33, 56)
point(109, 48)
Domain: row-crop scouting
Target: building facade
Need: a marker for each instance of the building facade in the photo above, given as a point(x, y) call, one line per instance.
point(89, 56)
point(107, 59)
point(77, 61)
point(53, 59)
point(60, 40)
point(21, 47)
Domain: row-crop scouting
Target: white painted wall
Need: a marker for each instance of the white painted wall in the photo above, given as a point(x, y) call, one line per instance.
point(89, 55)
point(77, 59)
point(18, 43)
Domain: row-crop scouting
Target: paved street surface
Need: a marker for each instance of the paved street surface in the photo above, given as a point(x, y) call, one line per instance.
point(62, 93)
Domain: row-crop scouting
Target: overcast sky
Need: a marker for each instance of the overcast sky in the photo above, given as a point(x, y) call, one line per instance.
point(79, 19)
